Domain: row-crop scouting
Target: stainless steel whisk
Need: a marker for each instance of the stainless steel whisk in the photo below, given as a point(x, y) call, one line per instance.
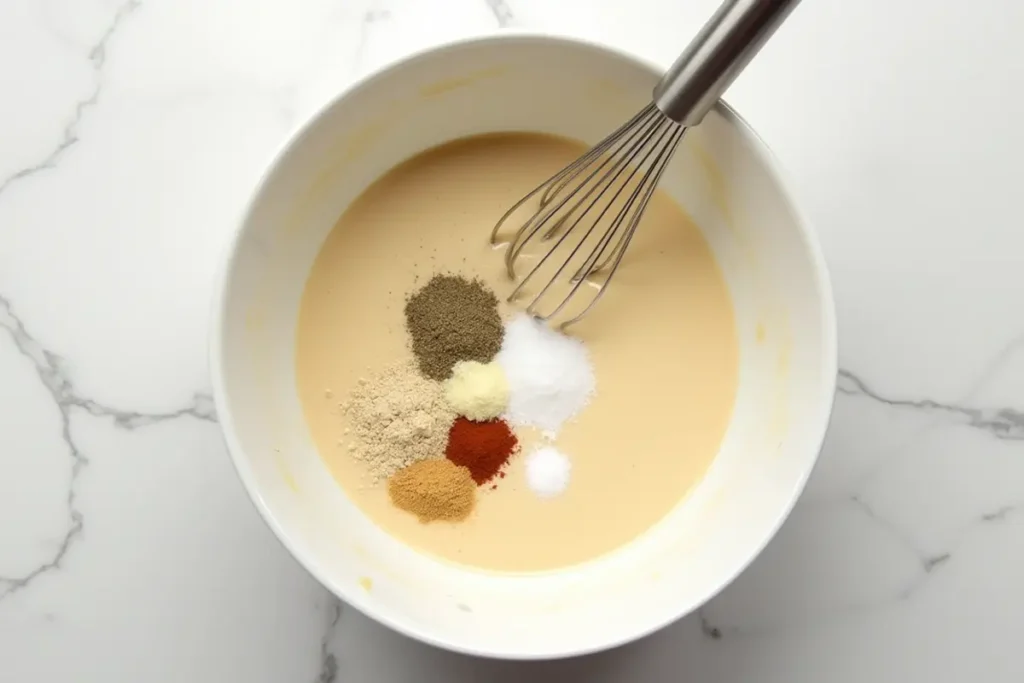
point(624, 169)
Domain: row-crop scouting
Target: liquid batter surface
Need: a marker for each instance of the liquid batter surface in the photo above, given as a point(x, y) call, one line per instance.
point(662, 342)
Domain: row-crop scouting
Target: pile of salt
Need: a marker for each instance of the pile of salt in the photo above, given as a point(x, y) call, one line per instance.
point(547, 472)
point(549, 374)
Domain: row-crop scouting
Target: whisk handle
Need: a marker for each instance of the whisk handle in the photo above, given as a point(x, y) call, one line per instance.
point(710, 63)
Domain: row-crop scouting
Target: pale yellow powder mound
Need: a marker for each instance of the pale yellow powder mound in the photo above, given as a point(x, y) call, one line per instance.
point(477, 391)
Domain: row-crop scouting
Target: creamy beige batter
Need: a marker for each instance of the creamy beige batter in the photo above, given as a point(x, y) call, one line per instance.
point(663, 344)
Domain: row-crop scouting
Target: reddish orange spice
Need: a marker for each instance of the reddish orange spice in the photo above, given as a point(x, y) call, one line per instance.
point(482, 447)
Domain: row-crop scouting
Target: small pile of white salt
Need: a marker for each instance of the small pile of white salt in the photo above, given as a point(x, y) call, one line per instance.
point(547, 472)
point(549, 374)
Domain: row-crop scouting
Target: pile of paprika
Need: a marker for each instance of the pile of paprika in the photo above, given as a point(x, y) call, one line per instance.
point(482, 447)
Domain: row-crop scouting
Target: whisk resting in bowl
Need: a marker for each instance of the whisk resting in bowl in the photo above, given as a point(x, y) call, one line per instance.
point(592, 207)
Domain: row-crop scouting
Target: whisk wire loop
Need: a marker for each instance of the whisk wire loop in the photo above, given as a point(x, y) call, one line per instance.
point(645, 145)
point(585, 270)
point(601, 186)
point(594, 151)
point(641, 117)
point(666, 154)
point(546, 211)
point(589, 212)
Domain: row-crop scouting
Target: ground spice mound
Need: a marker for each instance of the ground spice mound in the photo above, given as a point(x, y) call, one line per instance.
point(398, 418)
point(434, 490)
point(483, 447)
point(451, 319)
point(478, 391)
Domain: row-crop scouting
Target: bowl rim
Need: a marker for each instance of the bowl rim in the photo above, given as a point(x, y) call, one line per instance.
point(349, 594)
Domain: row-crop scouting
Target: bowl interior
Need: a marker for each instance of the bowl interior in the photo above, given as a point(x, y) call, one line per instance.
point(724, 179)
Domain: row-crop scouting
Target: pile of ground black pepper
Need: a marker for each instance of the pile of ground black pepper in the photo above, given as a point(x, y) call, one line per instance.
point(452, 319)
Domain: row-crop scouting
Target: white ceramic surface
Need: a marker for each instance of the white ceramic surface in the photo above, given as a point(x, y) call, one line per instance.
point(131, 136)
point(725, 179)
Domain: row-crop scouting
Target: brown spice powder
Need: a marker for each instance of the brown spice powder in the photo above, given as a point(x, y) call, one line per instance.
point(452, 319)
point(434, 490)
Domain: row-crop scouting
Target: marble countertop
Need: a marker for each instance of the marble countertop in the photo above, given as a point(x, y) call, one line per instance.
point(132, 131)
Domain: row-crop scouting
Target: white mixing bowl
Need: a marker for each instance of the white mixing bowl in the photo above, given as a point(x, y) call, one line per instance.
point(728, 182)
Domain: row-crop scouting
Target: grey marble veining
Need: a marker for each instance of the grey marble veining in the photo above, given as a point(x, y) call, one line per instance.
point(1005, 422)
point(502, 12)
point(97, 56)
point(52, 374)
